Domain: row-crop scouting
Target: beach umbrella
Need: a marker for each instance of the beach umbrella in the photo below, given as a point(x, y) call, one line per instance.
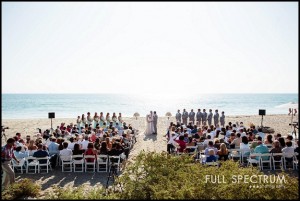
point(168, 114)
point(136, 115)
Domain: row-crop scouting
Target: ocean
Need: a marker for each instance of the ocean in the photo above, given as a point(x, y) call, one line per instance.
point(20, 106)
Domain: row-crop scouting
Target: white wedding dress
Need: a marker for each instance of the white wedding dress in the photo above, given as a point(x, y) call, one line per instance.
point(149, 125)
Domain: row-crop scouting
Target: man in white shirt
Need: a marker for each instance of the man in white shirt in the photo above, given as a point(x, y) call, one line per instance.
point(66, 151)
point(85, 142)
point(71, 144)
point(171, 142)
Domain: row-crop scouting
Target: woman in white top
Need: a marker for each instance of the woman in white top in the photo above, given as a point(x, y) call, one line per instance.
point(245, 147)
point(89, 118)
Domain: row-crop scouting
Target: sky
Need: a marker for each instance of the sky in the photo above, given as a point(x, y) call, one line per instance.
point(150, 47)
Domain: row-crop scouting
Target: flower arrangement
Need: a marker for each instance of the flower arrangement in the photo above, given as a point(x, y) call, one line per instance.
point(136, 115)
point(168, 114)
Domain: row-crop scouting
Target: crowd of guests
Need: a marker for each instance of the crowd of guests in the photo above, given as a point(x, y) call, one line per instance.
point(218, 140)
point(67, 140)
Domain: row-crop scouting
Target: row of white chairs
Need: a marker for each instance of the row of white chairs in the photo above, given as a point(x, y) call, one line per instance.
point(84, 163)
point(272, 159)
point(32, 162)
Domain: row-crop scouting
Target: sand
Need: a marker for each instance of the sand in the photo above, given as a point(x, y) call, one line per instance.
point(156, 143)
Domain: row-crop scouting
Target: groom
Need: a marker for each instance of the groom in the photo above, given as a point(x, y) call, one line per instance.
point(154, 118)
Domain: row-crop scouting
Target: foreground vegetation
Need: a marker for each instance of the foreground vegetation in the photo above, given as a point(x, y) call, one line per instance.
point(21, 189)
point(161, 176)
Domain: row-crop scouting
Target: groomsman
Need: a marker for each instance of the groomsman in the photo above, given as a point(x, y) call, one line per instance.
point(204, 117)
point(155, 117)
point(199, 117)
point(192, 116)
point(216, 118)
point(209, 117)
point(222, 119)
point(185, 115)
point(178, 116)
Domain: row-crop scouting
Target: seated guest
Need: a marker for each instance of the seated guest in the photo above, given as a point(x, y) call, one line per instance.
point(255, 142)
point(40, 153)
point(217, 143)
point(223, 152)
point(237, 141)
point(210, 146)
point(20, 154)
point(32, 147)
point(114, 151)
point(78, 151)
point(194, 130)
point(281, 142)
point(191, 142)
point(97, 144)
point(66, 151)
point(90, 151)
point(103, 148)
point(268, 140)
point(182, 144)
point(71, 144)
point(276, 149)
point(289, 151)
point(262, 149)
point(211, 156)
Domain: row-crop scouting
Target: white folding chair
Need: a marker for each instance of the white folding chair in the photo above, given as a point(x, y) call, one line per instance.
point(295, 162)
point(245, 153)
point(214, 163)
point(66, 161)
point(42, 163)
point(286, 157)
point(16, 165)
point(102, 163)
point(116, 160)
point(78, 161)
point(91, 163)
point(235, 154)
point(31, 162)
point(254, 158)
point(277, 158)
point(266, 158)
point(192, 152)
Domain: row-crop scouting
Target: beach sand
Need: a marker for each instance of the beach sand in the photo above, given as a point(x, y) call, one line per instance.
point(156, 143)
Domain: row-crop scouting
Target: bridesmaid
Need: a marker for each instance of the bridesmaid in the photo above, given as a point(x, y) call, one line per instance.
point(114, 118)
point(78, 124)
point(83, 121)
point(96, 119)
point(120, 119)
point(102, 120)
point(89, 118)
point(108, 120)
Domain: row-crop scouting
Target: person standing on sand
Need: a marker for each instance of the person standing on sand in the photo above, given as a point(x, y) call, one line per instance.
point(178, 116)
point(192, 116)
point(184, 117)
point(204, 117)
point(155, 117)
point(209, 117)
point(199, 117)
point(216, 118)
point(222, 119)
point(6, 156)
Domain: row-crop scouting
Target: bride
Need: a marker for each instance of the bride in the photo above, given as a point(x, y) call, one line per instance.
point(149, 122)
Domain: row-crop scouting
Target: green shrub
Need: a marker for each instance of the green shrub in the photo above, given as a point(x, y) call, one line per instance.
point(162, 176)
point(23, 188)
